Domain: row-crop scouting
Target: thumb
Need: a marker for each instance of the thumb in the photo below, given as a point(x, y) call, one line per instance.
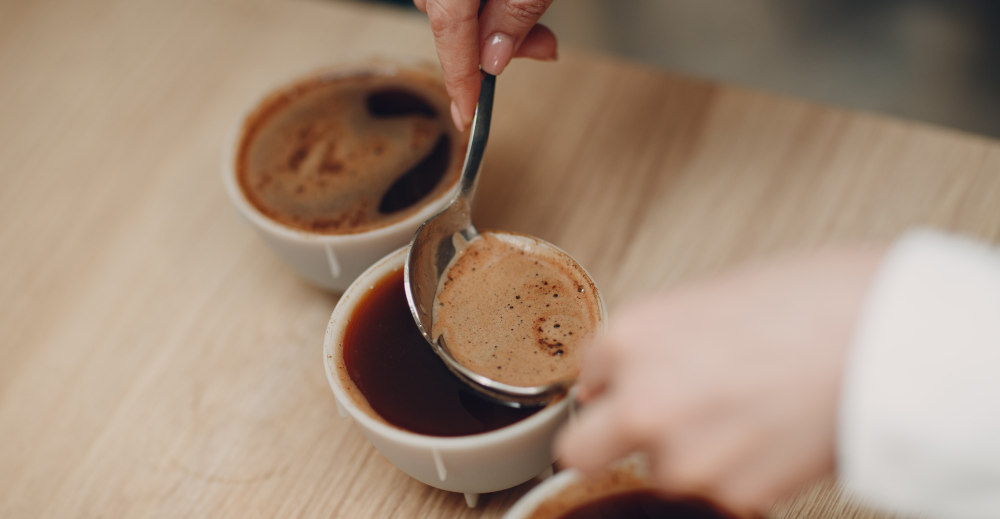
point(503, 27)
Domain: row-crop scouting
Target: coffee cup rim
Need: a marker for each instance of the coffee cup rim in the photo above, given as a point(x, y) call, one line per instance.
point(235, 135)
point(636, 464)
point(331, 349)
point(546, 490)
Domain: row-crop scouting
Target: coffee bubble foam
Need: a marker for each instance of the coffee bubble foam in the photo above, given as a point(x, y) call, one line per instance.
point(340, 155)
point(516, 310)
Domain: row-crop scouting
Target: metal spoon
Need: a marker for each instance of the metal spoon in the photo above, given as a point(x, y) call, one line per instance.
point(434, 246)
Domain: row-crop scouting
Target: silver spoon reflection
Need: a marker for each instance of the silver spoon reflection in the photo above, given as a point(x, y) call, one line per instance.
point(436, 244)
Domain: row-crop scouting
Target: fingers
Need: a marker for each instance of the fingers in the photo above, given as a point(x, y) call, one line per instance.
point(540, 43)
point(598, 366)
point(604, 356)
point(595, 440)
point(468, 34)
point(505, 25)
point(455, 25)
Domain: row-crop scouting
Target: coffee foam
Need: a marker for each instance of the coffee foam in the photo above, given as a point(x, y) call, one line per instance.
point(516, 310)
point(315, 157)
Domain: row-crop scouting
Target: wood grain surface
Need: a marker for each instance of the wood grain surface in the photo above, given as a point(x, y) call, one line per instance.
point(156, 360)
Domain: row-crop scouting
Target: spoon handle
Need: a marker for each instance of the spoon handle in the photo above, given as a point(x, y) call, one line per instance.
point(477, 142)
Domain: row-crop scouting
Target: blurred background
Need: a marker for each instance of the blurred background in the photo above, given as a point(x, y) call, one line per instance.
point(932, 60)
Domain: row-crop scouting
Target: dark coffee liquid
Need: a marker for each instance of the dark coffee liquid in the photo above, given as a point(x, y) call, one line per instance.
point(643, 504)
point(398, 103)
point(419, 181)
point(403, 380)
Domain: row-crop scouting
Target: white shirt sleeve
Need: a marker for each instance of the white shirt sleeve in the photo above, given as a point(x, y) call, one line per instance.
point(920, 410)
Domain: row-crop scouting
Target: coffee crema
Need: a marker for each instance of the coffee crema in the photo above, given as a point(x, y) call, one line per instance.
point(348, 153)
point(517, 310)
point(399, 377)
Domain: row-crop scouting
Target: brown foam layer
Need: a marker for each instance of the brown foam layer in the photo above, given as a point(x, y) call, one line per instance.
point(517, 310)
point(347, 154)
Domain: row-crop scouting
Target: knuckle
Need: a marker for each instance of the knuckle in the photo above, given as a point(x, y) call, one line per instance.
point(444, 15)
point(439, 20)
point(526, 12)
point(459, 82)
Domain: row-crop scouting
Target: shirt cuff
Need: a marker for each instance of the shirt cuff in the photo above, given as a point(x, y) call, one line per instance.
point(919, 427)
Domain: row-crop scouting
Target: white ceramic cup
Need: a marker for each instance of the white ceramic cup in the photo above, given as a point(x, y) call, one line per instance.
point(569, 488)
point(550, 489)
point(331, 261)
point(474, 464)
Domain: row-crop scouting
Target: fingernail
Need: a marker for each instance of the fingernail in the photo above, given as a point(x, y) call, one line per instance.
point(496, 53)
point(456, 116)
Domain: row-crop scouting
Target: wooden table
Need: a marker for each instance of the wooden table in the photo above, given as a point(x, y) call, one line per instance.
point(156, 360)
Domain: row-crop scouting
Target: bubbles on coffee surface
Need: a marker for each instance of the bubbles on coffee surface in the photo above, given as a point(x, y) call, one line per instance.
point(348, 154)
point(511, 308)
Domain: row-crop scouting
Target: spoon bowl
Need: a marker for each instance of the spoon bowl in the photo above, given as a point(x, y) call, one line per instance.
point(436, 244)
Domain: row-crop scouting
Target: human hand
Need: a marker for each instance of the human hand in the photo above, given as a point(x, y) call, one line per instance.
point(466, 38)
point(731, 387)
